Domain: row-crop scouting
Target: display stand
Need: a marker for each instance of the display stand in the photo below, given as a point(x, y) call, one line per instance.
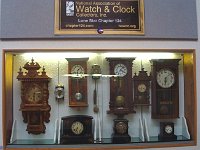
point(146, 131)
point(185, 131)
point(13, 134)
point(141, 130)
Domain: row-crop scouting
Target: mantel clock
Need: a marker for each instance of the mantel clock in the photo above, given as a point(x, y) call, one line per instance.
point(121, 87)
point(34, 95)
point(165, 88)
point(167, 132)
point(76, 129)
point(77, 68)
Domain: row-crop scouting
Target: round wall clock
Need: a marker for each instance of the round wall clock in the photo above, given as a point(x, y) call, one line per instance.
point(165, 78)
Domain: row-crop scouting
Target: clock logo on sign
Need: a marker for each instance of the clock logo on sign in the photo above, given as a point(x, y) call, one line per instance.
point(69, 8)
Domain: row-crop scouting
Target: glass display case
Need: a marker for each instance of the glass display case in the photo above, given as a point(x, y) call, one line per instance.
point(90, 98)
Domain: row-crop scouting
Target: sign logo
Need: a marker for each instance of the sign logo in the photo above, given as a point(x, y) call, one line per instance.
point(69, 8)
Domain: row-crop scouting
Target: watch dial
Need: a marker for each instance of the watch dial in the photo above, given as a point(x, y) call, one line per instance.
point(121, 127)
point(59, 92)
point(77, 69)
point(168, 129)
point(142, 88)
point(165, 78)
point(120, 69)
point(33, 94)
point(77, 127)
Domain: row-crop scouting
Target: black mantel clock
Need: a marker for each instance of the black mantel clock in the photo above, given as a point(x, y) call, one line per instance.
point(167, 132)
point(121, 87)
point(76, 129)
point(165, 88)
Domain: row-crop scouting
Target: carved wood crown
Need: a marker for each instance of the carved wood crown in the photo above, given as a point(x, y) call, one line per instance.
point(32, 68)
point(142, 75)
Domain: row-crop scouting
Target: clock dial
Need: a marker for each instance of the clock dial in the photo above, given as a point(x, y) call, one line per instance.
point(120, 69)
point(77, 127)
point(121, 127)
point(165, 78)
point(34, 94)
point(142, 88)
point(77, 69)
point(59, 92)
point(168, 129)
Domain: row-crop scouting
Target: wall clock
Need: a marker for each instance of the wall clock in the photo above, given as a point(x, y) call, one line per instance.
point(76, 129)
point(165, 88)
point(34, 95)
point(121, 87)
point(141, 88)
point(77, 68)
point(167, 132)
point(120, 134)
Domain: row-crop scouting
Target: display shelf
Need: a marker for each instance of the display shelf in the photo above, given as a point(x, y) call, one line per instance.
point(139, 126)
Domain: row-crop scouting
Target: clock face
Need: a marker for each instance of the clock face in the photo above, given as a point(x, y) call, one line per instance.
point(142, 88)
point(165, 78)
point(34, 94)
point(77, 127)
point(121, 127)
point(120, 70)
point(59, 92)
point(168, 129)
point(77, 69)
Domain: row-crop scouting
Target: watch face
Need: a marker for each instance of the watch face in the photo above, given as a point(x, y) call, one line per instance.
point(121, 127)
point(168, 129)
point(59, 92)
point(33, 94)
point(120, 70)
point(165, 78)
point(77, 69)
point(77, 127)
point(142, 88)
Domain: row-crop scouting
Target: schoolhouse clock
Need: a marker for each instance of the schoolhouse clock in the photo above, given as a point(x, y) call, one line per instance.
point(121, 87)
point(77, 68)
point(167, 132)
point(165, 88)
point(76, 129)
point(34, 95)
point(141, 88)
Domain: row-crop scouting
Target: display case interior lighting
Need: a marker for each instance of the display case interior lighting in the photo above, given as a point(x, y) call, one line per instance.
point(143, 55)
point(56, 56)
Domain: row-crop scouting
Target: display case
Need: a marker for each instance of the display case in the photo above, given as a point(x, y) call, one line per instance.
point(115, 105)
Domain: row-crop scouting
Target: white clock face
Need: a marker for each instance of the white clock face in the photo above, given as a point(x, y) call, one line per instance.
point(77, 127)
point(142, 88)
point(77, 69)
point(165, 78)
point(168, 129)
point(120, 70)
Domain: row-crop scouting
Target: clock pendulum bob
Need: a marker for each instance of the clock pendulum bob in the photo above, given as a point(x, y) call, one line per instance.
point(167, 132)
point(120, 134)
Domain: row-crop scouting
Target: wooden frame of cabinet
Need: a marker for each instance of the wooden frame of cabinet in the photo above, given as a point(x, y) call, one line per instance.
point(190, 95)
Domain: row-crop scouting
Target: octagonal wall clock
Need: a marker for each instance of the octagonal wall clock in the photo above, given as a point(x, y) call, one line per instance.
point(77, 70)
point(34, 95)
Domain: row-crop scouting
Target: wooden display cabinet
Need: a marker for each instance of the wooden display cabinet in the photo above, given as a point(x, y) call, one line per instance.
point(190, 100)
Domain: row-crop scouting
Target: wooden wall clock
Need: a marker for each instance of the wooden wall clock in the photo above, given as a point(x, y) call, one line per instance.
point(165, 88)
point(121, 87)
point(34, 95)
point(77, 68)
point(76, 129)
point(141, 88)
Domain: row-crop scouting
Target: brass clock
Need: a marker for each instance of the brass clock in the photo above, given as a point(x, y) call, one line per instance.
point(76, 129)
point(165, 88)
point(77, 68)
point(34, 95)
point(141, 88)
point(121, 87)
